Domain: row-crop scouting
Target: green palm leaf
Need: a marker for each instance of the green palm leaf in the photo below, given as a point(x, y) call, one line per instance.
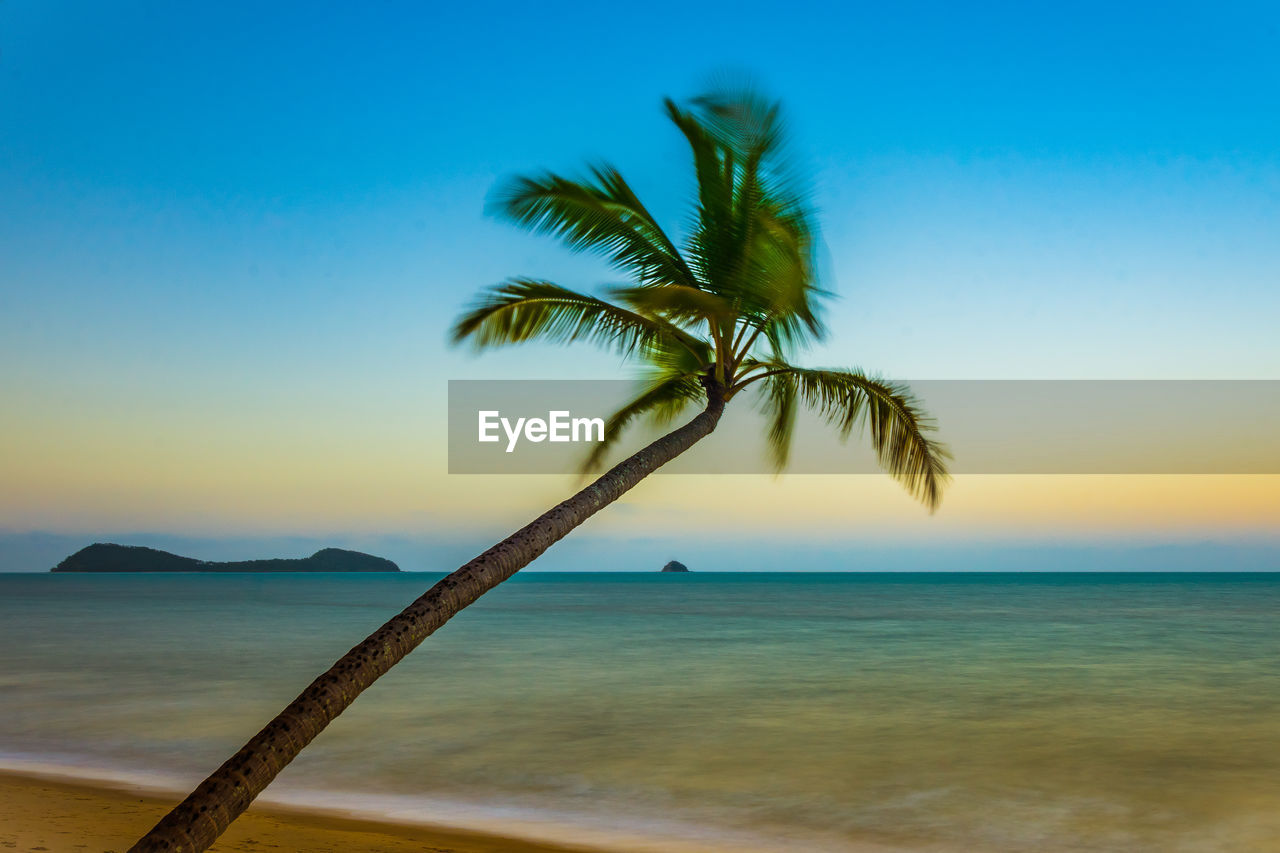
point(601, 214)
point(780, 406)
point(526, 309)
point(664, 398)
point(900, 432)
point(677, 303)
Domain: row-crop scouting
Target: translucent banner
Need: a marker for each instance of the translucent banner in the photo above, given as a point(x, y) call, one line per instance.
point(990, 426)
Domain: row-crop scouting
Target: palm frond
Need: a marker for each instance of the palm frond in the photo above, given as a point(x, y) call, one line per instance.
point(526, 309)
point(899, 429)
point(713, 213)
point(753, 237)
point(742, 119)
point(780, 406)
point(779, 275)
point(664, 398)
point(677, 303)
point(601, 214)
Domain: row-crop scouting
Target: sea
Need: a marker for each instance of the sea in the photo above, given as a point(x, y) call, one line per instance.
point(692, 712)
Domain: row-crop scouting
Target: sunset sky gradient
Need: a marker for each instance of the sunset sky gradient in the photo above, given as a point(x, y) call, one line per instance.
point(232, 238)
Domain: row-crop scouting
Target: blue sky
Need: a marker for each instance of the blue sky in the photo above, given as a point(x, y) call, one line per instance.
point(236, 165)
point(235, 220)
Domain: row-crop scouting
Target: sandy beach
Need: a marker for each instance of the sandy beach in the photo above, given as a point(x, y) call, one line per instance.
point(66, 816)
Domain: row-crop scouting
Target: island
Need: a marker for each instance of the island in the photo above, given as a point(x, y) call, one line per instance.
point(675, 566)
point(107, 557)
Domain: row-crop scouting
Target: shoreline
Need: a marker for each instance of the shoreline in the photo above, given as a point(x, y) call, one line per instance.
point(66, 814)
point(110, 809)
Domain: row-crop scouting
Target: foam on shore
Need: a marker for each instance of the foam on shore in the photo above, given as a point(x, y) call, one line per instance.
point(543, 828)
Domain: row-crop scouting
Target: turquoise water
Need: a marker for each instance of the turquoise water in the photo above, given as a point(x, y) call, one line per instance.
point(827, 711)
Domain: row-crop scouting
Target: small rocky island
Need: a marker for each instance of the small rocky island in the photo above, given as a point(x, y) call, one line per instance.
point(106, 557)
point(675, 566)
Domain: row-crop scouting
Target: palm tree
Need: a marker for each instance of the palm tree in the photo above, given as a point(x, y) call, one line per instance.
point(719, 317)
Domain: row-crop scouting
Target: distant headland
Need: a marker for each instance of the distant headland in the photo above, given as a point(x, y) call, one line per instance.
point(106, 557)
point(675, 566)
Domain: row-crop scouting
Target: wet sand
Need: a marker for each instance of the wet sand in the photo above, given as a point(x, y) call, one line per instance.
point(68, 816)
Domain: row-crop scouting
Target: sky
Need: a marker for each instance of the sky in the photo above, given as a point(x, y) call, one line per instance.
point(233, 237)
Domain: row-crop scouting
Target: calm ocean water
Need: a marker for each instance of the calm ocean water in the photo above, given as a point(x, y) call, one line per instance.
point(822, 711)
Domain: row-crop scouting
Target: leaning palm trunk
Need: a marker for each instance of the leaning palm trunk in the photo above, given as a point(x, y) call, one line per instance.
point(204, 815)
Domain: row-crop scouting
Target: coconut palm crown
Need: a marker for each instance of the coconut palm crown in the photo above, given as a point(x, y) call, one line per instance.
point(723, 314)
